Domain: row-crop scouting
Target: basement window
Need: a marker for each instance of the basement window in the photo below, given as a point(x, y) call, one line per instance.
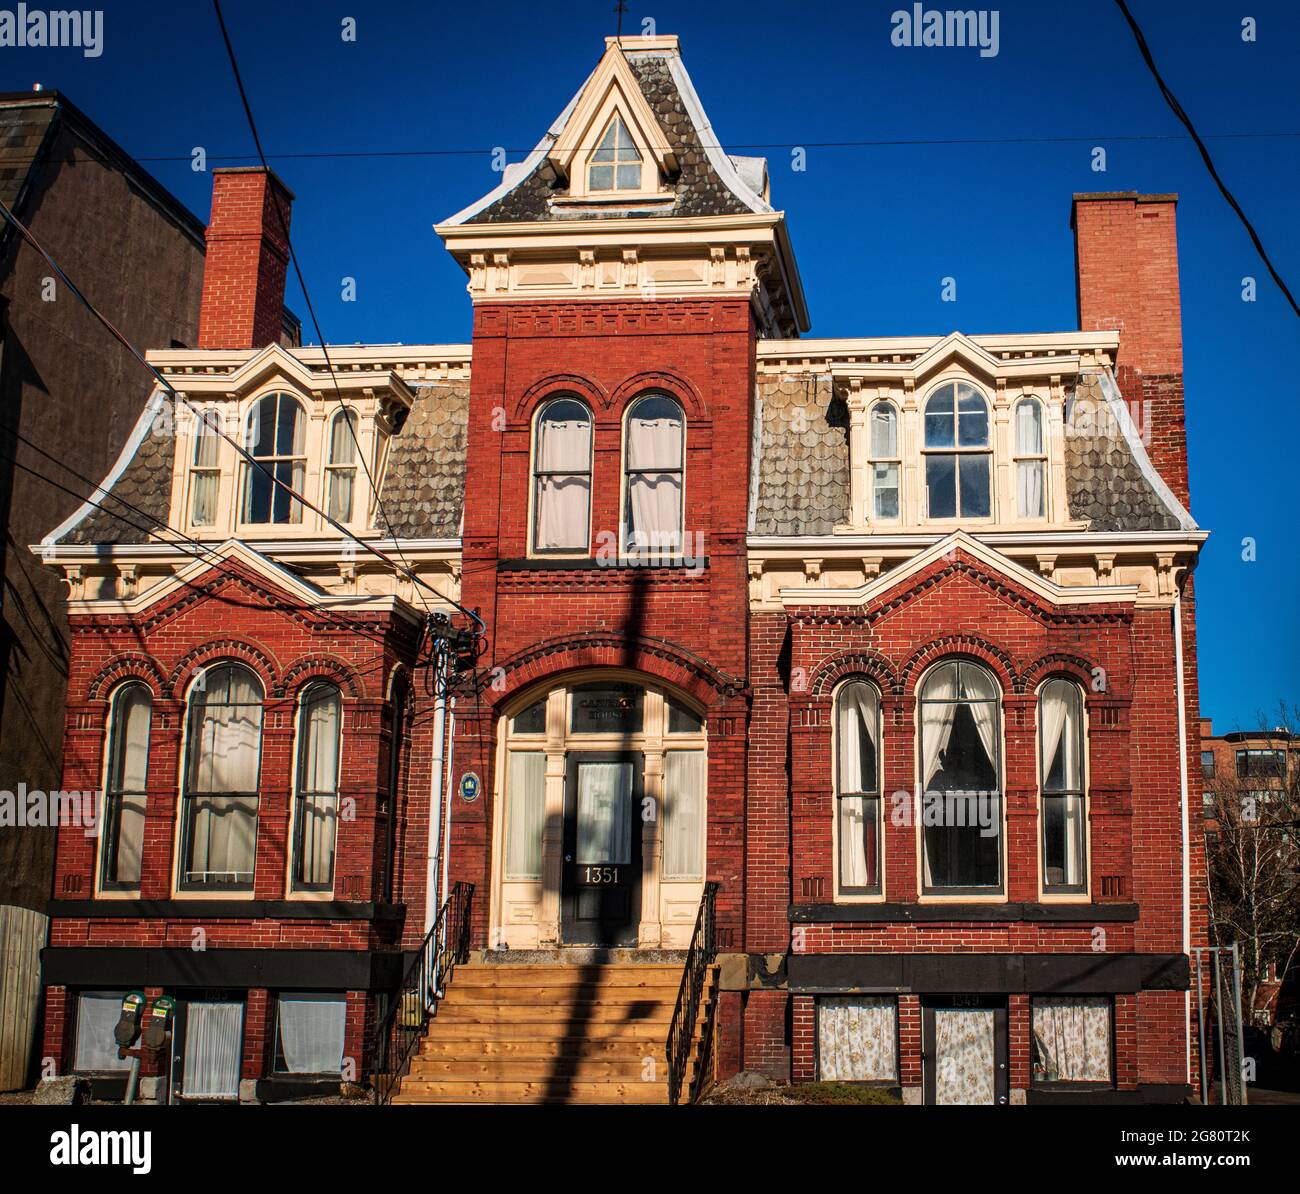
point(310, 1032)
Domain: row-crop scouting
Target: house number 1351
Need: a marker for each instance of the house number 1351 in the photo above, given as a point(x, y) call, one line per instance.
point(599, 874)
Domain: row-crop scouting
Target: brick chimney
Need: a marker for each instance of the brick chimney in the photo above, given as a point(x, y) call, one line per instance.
point(1126, 269)
point(247, 255)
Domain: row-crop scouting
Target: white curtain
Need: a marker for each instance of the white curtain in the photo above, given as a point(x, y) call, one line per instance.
point(965, 1046)
point(684, 814)
point(1029, 429)
point(1059, 714)
point(563, 447)
point(526, 805)
point(223, 839)
point(205, 478)
point(858, 707)
point(1073, 1039)
point(321, 712)
point(1029, 488)
point(884, 432)
point(226, 750)
point(857, 1039)
point(97, 1013)
point(318, 783)
point(604, 813)
point(213, 1047)
point(858, 849)
point(311, 1033)
point(128, 840)
point(654, 450)
point(938, 709)
point(133, 741)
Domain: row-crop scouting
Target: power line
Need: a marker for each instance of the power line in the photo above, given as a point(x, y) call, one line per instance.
point(311, 309)
point(1186, 120)
point(872, 143)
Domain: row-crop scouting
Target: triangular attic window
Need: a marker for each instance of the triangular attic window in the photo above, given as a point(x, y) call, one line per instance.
point(616, 163)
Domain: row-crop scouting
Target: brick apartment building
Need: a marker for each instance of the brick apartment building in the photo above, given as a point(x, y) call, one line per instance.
point(881, 649)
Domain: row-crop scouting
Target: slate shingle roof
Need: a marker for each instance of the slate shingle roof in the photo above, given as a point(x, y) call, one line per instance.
point(424, 485)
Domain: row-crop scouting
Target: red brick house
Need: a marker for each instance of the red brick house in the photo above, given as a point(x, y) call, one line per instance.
point(866, 665)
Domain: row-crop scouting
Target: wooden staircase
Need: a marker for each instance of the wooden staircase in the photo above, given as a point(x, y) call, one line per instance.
point(589, 1032)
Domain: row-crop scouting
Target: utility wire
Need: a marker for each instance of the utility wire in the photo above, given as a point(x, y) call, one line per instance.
point(874, 143)
point(1186, 120)
point(311, 309)
point(31, 239)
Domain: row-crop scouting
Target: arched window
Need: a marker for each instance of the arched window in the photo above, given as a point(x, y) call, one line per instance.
point(884, 462)
point(961, 813)
point(205, 471)
point(562, 477)
point(124, 791)
point(1031, 460)
point(857, 787)
point(615, 165)
point(320, 723)
point(957, 454)
point(341, 467)
point(275, 436)
point(222, 769)
point(653, 458)
point(1064, 797)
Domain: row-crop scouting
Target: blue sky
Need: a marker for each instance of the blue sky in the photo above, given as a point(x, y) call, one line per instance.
point(772, 75)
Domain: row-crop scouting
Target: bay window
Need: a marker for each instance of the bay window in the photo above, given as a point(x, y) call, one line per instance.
point(961, 804)
point(124, 790)
point(653, 467)
point(562, 477)
point(857, 787)
point(320, 717)
point(1063, 807)
point(222, 770)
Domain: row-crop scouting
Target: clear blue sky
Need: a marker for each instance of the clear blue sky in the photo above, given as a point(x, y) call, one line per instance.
point(772, 74)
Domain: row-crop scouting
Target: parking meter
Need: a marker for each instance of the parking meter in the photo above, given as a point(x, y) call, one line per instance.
point(127, 1027)
point(158, 1021)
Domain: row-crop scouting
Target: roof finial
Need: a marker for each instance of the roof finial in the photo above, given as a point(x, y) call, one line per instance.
point(621, 9)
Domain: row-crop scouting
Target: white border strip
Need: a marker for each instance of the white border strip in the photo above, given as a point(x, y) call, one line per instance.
point(132, 446)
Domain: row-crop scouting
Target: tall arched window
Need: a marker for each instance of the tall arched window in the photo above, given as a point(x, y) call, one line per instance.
point(653, 466)
point(961, 812)
point(957, 453)
point(562, 477)
point(341, 467)
point(884, 461)
point(1064, 797)
point(205, 470)
point(276, 437)
point(857, 787)
point(1031, 460)
point(222, 769)
point(124, 791)
point(390, 796)
point(320, 724)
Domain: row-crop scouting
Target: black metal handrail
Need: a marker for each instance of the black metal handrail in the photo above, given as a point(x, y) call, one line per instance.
point(423, 984)
point(699, 957)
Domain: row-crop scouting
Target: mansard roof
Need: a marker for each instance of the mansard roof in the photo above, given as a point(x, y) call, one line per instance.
point(705, 179)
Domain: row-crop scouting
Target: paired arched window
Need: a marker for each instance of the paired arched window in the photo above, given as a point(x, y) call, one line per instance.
point(276, 437)
point(124, 790)
point(615, 165)
point(320, 727)
point(857, 787)
point(222, 766)
point(884, 462)
point(562, 477)
point(1031, 460)
point(961, 763)
point(653, 465)
point(341, 466)
point(1063, 812)
point(958, 481)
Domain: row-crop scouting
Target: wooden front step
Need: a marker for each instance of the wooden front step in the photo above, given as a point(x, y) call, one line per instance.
point(548, 1033)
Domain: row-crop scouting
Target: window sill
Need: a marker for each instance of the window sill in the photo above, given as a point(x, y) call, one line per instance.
point(592, 564)
point(881, 913)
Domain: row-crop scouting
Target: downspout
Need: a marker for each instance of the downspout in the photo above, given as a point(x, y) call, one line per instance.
point(447, 796)
point(1183, 790)
point(433, 846)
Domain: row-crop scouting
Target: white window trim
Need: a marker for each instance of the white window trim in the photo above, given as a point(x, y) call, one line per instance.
point(1046, 895)
point(839, 895)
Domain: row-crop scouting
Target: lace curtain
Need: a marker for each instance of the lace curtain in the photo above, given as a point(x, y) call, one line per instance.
point(857, 1039)
point(1072, 1040)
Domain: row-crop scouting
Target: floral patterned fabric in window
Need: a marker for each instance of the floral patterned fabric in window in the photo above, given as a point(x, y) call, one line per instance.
point(1072, 1040)
point(856, 1040)
point(964, 1046)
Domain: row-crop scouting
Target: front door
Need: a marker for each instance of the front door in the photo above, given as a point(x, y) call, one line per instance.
point(600, 894)
point(964, 1050)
